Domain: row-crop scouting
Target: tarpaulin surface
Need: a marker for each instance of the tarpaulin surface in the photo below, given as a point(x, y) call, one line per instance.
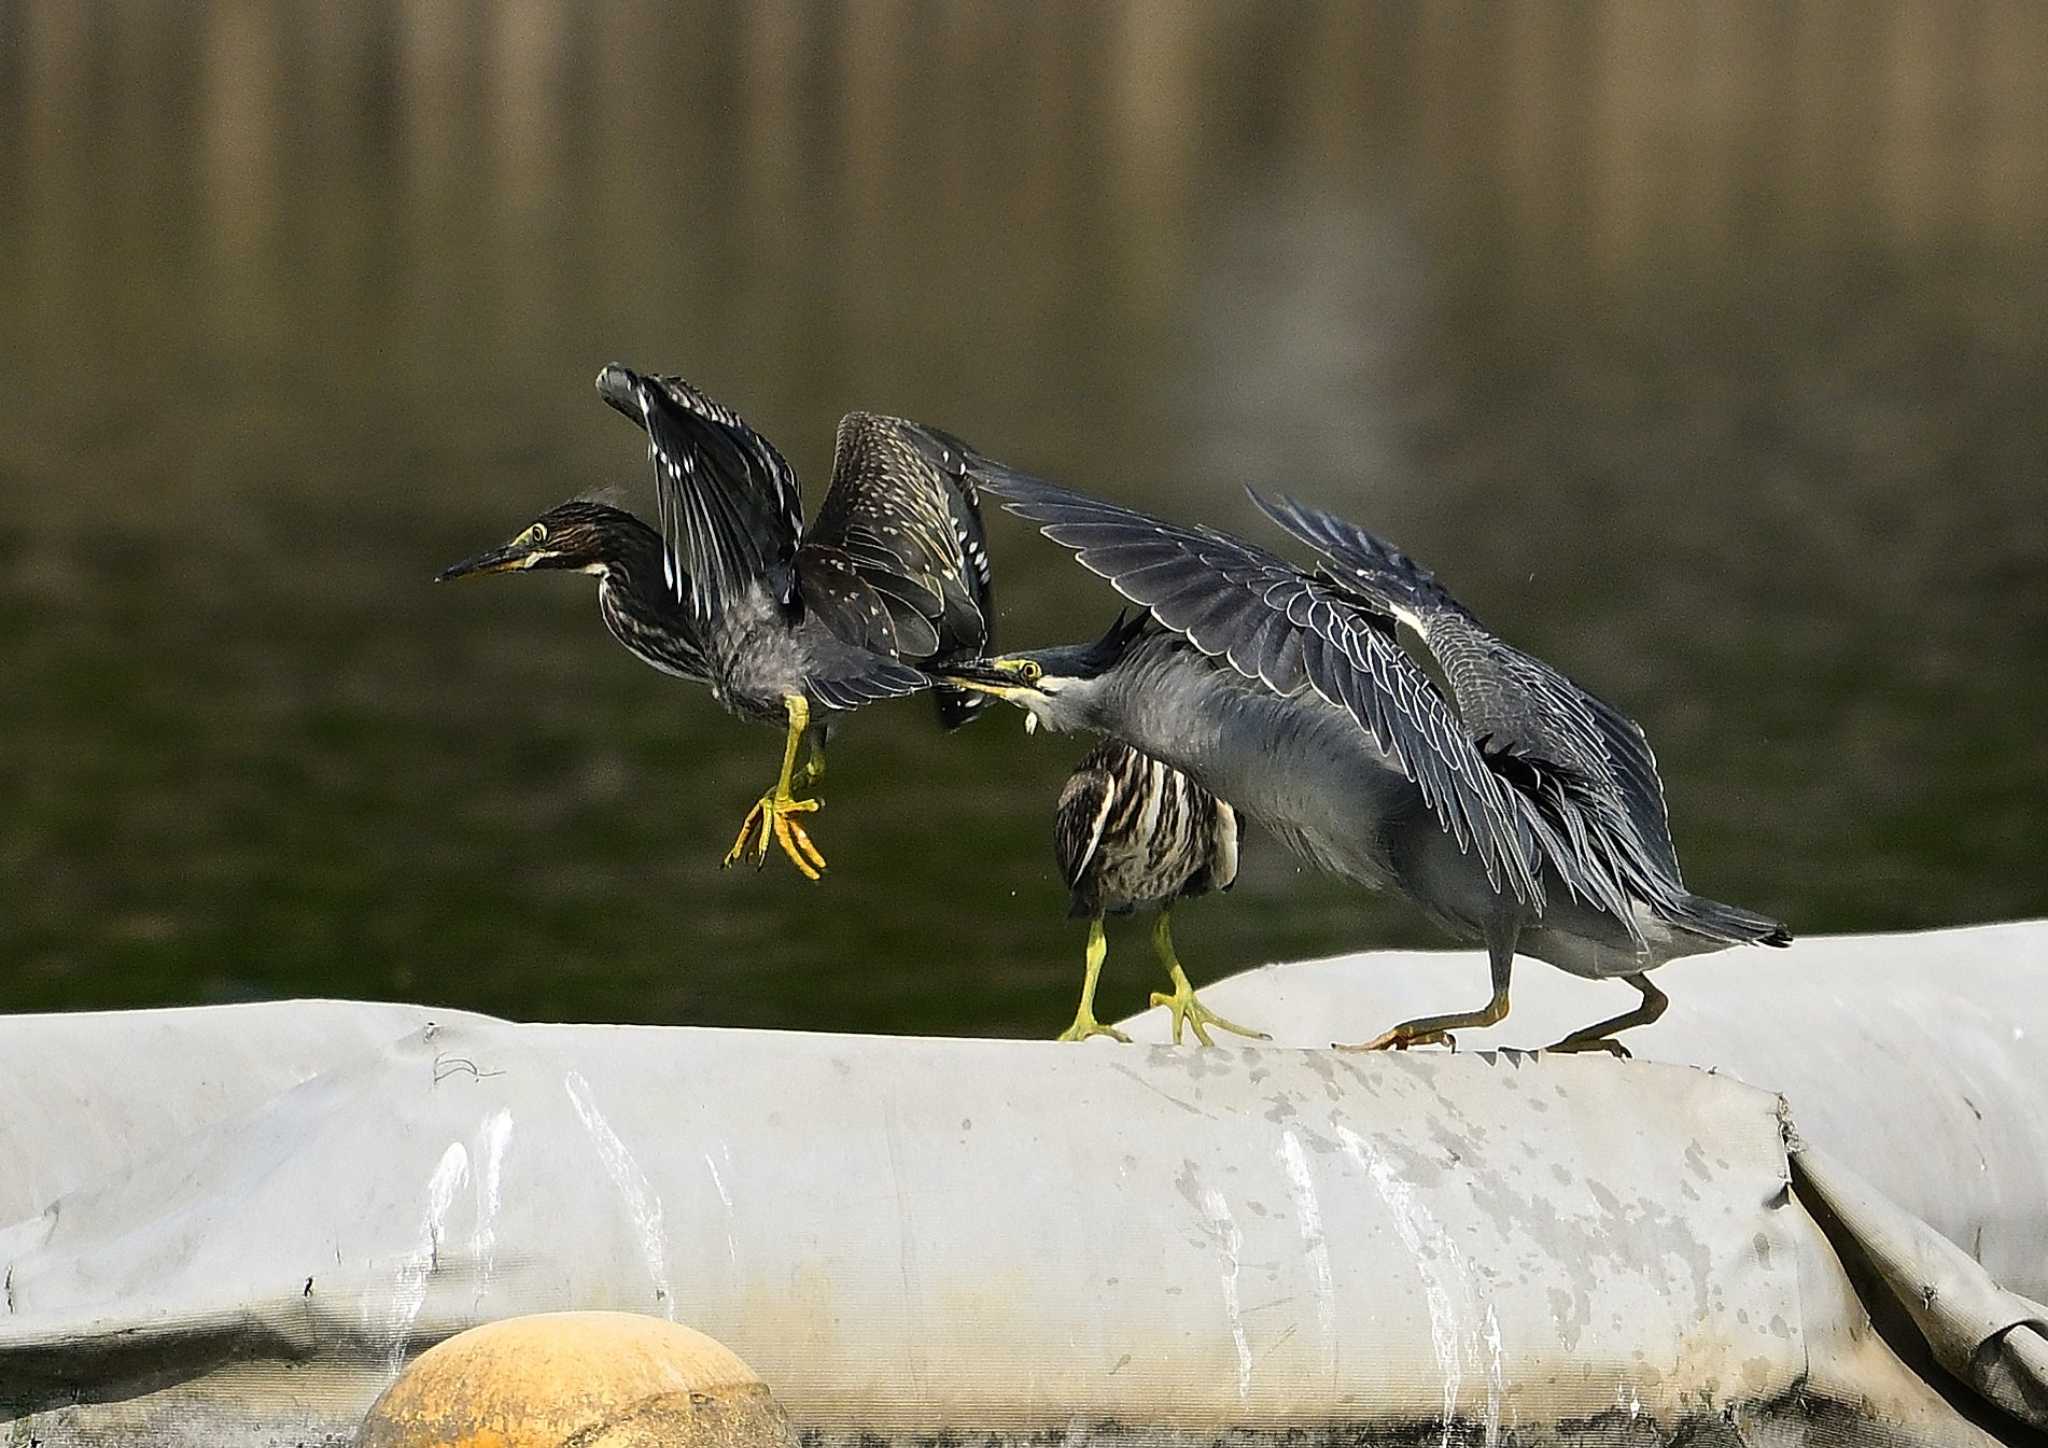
point(1920, 1059)
point(910, 1238)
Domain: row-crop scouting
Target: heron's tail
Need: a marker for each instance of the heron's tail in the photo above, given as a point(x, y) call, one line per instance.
point(1728, 922)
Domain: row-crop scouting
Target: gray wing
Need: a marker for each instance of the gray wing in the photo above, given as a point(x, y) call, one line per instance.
point(728, 504)
point(1580, 756)
point(1273, 623)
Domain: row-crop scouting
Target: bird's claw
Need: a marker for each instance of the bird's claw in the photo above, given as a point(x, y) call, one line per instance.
point(1608, 1044)
point(1191, 1013)
point(1400, 1038)
point(773, 817)
point(1085, 1025)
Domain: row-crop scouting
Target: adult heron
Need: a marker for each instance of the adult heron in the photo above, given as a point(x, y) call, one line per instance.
point(1512, 806)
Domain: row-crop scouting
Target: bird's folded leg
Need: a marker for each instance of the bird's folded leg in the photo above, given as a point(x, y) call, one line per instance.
point(1434, 1030)
point(1085, 1024)
point(1600, 1035)
point(814, 759)
point(1187, 1011)
point(773, 814)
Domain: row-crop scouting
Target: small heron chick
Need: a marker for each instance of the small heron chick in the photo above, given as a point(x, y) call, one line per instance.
point(786, 624)
point(1132, 832)
point(1370, 722)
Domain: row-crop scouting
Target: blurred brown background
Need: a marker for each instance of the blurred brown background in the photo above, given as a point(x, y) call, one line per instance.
point(1701, 347)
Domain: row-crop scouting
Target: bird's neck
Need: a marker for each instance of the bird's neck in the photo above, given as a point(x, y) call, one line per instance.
point(643, 613)
point(1167, 700)
point(630, 576)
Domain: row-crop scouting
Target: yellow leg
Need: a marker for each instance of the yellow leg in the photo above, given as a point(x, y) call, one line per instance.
point(814, 764)
point(772, 814)
point(1085, 1024)
point(1600, 1036)
point(1433, 1030)
point(1187, 1011)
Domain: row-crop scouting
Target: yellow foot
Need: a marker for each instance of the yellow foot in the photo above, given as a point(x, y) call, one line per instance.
point(1191, 1013)
point(1085, 1025)
point(773, 815)
point(1608, 1044)
point(1400, 1038)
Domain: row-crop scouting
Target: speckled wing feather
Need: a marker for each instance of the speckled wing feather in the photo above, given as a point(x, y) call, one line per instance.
point(963, 505)
point(1586, 764)
point(860, 681)
point(728, 504)
point(910, 538)
point(1273, 623)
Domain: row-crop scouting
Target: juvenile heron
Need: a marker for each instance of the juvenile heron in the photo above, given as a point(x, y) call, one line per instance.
point(782, 624)
point(1514, 807)
point(1132, 831)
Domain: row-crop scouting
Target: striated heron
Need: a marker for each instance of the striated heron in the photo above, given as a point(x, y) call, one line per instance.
point(1511, 805)
point(782, 623)
point(1132, 831)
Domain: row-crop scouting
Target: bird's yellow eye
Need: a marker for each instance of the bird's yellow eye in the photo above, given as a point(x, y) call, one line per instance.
point(538, 533)
point(1030, 671)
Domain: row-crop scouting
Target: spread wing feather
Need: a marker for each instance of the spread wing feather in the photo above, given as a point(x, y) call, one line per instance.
point(1586, 765)
point(728, 504)
point(847, 603)
point(895, 563)
point(865, 683)
point(912, 533)
point(1223, 595)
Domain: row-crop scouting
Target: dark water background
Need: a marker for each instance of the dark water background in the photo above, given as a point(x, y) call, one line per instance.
point(1702, 347)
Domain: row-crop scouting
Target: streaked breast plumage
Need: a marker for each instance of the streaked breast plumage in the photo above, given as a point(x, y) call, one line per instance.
point(1133, 831)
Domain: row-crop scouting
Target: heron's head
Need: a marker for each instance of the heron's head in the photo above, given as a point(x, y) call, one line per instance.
point(579, 534)
point(1060, 687)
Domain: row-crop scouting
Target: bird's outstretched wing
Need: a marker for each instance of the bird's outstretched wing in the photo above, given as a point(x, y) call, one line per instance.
point(728, 504)
point(896, 560)
point(1275, 624)
point(1579, 754)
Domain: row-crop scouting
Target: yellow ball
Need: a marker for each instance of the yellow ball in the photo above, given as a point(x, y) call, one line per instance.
point(577, 1380)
